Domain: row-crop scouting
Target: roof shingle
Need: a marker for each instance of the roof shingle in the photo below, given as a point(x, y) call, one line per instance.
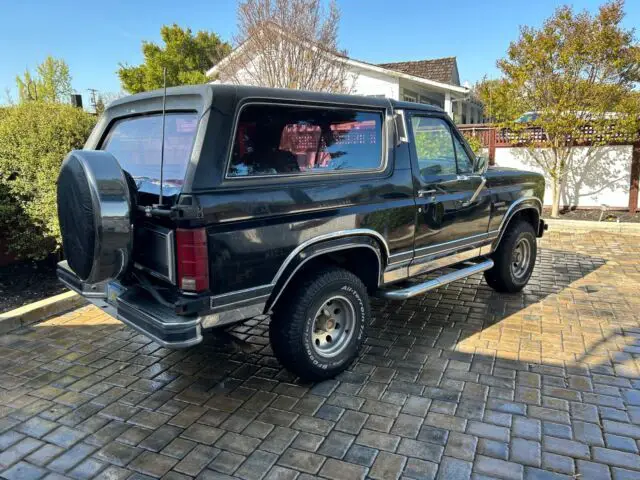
point(438, 69)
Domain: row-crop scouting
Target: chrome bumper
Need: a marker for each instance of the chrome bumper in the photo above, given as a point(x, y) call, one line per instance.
point(139, 310)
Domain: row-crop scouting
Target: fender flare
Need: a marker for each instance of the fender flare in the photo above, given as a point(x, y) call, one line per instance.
point(301, 256)
point(525, 203)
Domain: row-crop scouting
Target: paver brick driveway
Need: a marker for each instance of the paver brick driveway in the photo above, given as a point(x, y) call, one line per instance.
point(457, 383)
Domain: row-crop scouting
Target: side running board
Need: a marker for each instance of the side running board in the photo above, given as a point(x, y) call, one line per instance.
point(420, 288)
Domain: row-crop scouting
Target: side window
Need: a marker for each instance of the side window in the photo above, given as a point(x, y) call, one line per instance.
point(434, 146)
point(465, 164)
point(299, 140)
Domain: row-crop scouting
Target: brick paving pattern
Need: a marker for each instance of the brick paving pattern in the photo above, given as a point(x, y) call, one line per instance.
point(460, 383)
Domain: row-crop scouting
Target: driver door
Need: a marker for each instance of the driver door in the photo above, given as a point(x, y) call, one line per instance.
point(453, 206)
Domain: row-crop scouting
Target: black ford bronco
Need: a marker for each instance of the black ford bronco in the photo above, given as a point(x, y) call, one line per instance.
point(208, 205)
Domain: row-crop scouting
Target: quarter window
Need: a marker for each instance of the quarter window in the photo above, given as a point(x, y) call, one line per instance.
point(434, 147)
point(294, 140)
point(465, 164)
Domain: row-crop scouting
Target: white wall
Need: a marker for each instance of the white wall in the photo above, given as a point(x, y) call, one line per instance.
point(372, 83)
point(602, 177)
point(361, 82)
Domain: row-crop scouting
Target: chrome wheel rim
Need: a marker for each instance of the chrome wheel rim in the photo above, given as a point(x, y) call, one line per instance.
point(333, 326)
point(521, 258)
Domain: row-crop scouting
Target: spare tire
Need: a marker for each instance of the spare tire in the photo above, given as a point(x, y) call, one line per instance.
point(94, 209)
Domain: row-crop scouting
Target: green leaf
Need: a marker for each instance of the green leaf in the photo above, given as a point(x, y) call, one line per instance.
point(185, 56)
point(34, 139)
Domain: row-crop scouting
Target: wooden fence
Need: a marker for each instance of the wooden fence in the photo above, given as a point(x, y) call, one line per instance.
point(484, 132)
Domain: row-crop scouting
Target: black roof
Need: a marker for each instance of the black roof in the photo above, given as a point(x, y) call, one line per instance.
point(208, 91)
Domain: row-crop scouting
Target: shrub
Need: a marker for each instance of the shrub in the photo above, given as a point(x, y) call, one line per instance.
point(34, 139)
point(474, 142)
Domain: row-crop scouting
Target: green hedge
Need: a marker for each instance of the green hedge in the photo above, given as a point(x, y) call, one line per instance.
point(34, 139)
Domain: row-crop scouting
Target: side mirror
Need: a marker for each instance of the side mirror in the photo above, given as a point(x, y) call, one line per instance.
point(481, 165)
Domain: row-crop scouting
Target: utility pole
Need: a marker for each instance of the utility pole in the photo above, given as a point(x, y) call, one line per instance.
point(93, 97)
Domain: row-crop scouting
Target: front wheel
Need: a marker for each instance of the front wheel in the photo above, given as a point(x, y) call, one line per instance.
point(316, 330)
point(514, 259)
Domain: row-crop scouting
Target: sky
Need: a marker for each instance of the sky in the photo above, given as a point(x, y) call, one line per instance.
point(95, 37)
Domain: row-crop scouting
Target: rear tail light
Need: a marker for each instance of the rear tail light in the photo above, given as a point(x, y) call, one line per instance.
point(193, 259)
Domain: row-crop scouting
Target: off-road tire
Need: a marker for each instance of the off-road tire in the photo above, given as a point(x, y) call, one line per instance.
point(501, 276)
point(292, 323)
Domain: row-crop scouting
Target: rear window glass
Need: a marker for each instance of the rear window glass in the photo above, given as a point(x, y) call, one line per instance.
point(289, 140)
point(136, 144)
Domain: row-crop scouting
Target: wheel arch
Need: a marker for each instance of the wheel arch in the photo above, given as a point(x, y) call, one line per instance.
point(362, 254)
point(528, 208)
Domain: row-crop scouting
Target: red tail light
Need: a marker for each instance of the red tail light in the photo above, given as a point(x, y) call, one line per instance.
point(193, 259)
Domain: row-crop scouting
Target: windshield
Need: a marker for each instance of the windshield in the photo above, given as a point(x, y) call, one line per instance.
point(136, 144)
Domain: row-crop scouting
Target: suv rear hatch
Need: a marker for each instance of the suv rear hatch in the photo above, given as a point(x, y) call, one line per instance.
point(136, 142)
point(155, 151)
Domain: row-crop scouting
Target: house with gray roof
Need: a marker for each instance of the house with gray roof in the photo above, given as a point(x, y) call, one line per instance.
point(463, 108)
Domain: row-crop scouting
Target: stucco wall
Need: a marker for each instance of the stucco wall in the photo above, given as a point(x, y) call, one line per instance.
point(371, 83)
point(601, 177)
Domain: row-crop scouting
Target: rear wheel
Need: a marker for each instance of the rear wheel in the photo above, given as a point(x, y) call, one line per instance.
point(316, 330)
point(514, 259)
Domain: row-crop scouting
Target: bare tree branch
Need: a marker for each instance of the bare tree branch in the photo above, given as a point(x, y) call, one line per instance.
point(288, 44)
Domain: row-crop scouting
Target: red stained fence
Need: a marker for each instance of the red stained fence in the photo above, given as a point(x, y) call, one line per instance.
point(484, 132)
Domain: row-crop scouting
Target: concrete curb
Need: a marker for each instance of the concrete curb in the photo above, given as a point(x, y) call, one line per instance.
point(38, 311)
point(582, 226)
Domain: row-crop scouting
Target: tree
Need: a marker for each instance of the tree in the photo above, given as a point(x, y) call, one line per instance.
point(185, 56)
point(102, 99)
point(287, 44)
point(34, 139)
point(578, 73)
point(499, 107)
point(100, 106)
point(51, 83)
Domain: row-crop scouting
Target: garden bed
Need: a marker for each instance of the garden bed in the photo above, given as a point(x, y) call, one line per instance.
point(593, 215)
point(25, 282)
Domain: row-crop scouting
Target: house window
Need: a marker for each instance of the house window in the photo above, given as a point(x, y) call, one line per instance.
point(407, 97)
point(296, 140)
point(427, 101)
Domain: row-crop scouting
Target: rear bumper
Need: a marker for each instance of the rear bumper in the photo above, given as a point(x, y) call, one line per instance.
point(139, 310)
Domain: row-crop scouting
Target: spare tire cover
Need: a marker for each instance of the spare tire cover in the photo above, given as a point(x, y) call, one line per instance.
point(94, 209)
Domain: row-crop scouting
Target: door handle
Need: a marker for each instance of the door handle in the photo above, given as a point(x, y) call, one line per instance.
point(426, 193)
